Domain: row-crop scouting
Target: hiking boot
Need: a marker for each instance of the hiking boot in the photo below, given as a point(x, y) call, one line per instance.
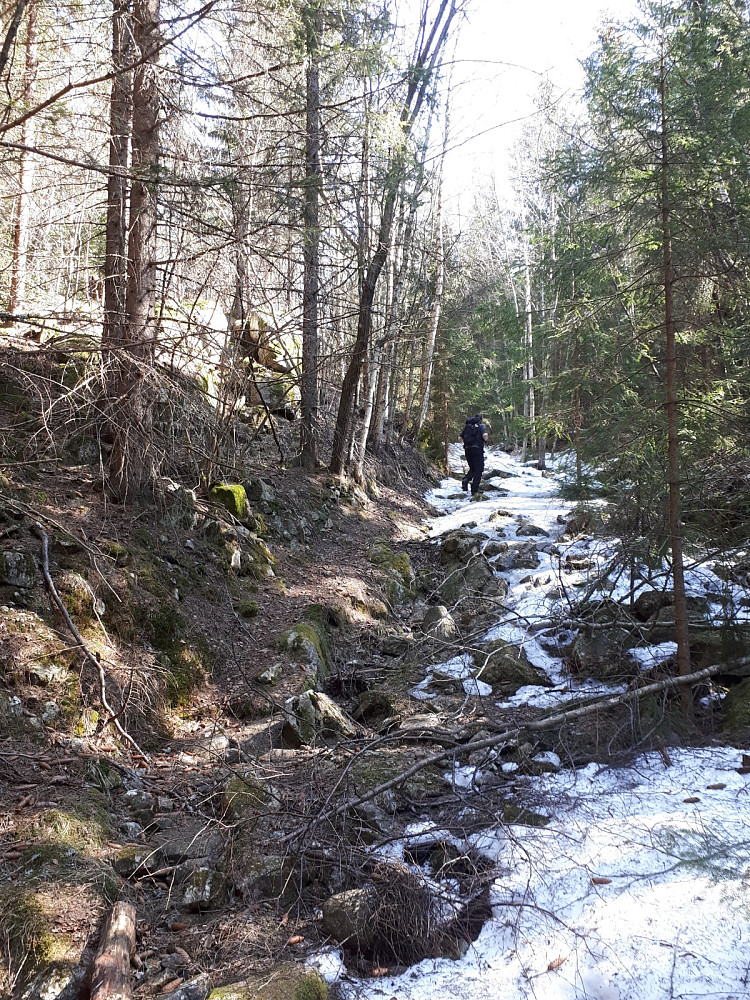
point(465, 483)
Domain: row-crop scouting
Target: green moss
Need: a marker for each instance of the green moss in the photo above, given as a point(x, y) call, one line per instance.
point(164, 627)
point(84, 826)
point(248, 609)
point(232, 497)
point(309, 642)
point(27, 939)
point(118, 552)
point(186, 671)
point(245, 797)
point(737, 706)
point(311, 986)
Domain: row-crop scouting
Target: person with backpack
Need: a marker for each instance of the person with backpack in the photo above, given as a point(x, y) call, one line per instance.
point(473, 436)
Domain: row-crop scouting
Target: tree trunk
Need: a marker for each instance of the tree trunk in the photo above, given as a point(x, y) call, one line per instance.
point(17, 293)
point(420, 78)
point(115, 260)
point(311, 248)
point(110, 977)
point(680, 604)
point(436, 304)
point(131, 461)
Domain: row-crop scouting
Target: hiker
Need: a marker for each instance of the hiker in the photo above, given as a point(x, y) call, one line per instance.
point(473, 436)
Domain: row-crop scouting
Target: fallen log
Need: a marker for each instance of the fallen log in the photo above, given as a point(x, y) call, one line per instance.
point(110, 975)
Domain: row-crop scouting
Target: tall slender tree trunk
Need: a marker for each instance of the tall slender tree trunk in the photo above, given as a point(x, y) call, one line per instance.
point(116, 245)
point(675, 530)
point(529, 399)
point(17, 293)
point(311, 245)
point(434, 38)
point(131, 460)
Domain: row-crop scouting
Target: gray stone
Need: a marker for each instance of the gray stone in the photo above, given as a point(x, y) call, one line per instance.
point(259, 491)
point(140, 803)
point(318, 719)
point(191, 845)
point(193, 989)
point(494, 548)
point(531, 530)
point(459, 546)
point(59, 981)
point(602, 654)
point(439, 623)
point(203, 890)
point(47, 673)
point(349, 917)
point(17, 569)
point(519, 555)
point(271, 675)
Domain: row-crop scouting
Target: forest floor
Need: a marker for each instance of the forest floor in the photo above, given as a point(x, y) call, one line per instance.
point(230, 830)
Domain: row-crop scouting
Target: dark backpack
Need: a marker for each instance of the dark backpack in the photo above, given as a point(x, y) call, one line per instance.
point(472, 435)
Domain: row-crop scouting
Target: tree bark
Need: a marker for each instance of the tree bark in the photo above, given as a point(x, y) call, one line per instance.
point(131, 460)
point(420, 78)
point(17, 292)
point(311, 248)
point(110, 977)
point(115, 260)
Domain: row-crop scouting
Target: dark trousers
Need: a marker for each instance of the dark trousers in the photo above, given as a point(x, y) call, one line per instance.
point(475, 458)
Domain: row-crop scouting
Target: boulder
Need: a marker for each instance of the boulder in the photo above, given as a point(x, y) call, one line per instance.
point(530, 530)
point(476, 579)
point(308, 643)
point(602, 654)
point(649, 603)
point(506, 669)
point(318, 719)
point(438, 622)
point(258, 491)
point(517, 555)
point(459, 546)
point(349, 917)
point(232, 497)
point(204, 888)
point(17, 569)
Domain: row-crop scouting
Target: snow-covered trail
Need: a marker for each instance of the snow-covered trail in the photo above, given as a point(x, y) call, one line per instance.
point(639, 887)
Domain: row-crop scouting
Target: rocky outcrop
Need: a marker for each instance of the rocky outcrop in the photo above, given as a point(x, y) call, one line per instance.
point(316, 719)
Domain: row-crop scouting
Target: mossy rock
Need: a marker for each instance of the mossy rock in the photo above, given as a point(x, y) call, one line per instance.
point(506, 669)
point(28, 941)
point(186, 670)
point(287, 982)
point(77, 597)
point(116, 551)
point(248, 797)
point(83, 826)
point(257, 560)
point(17, 569)
point(371, 769)
point(317, 719)
point(308, 642)
point(400, 582)
point(736, 706)
point(232, 497)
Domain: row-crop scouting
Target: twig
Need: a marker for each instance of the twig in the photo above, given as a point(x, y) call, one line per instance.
point(93, 660)
point(513, 732)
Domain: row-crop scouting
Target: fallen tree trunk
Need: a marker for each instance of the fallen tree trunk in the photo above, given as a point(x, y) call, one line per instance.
point(110, 977)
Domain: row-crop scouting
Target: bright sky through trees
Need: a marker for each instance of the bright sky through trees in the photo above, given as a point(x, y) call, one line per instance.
point(505, 50)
